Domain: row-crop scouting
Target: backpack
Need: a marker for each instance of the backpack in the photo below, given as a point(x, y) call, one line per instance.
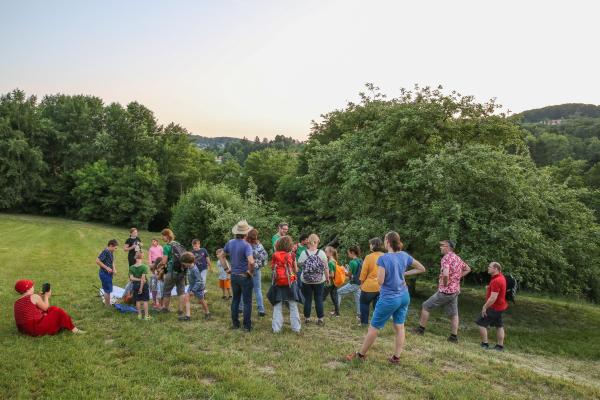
point(177, 251)
point(312, 271)
point(511, 288)
point(355, 278)
point(340, 275)
point(282, 274)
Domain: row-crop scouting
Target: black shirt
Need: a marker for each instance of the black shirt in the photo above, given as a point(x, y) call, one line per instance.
point(136, 242)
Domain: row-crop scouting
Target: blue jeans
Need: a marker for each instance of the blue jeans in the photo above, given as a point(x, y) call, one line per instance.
point(241, 286)
point(310, 291)
point(366, 299)
point(350, 288)
point(256, 281)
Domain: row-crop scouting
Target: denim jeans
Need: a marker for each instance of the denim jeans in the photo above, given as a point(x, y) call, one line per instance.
point(277, 323)
point(310, 291)
point(366, 298)
point(256, 281)
point(347, 289)
point(241, 286)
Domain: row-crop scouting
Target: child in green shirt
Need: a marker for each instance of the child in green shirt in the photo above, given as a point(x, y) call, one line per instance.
point(140, 289)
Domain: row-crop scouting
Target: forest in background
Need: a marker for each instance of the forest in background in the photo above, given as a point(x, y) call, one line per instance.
point(520, 189)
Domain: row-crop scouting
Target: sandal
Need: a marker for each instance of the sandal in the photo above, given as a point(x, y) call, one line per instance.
point(354, 356)
point(394, 360)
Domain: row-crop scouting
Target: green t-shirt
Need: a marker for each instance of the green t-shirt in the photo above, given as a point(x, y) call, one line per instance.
point(331, 265)
point(274, 240)
point(353, 266)
point(299, 251)
point(138, 270)
point(167, 250)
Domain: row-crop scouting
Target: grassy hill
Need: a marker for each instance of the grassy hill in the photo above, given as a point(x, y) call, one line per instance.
point(553, 345)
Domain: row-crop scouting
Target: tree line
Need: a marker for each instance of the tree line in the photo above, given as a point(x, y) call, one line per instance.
point(428, 164)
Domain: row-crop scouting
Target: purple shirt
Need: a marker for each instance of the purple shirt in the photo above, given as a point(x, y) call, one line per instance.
point(238, 251)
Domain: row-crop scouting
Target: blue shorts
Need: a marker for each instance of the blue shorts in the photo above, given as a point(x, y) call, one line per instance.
point(106, 280)
point(396, 307)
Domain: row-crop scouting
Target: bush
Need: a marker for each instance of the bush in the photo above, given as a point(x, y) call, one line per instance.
point(208, 212)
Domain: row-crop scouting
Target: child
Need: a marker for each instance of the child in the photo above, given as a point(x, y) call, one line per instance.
point(156, 283)
point(196, 287)
point(155, 251)
point(139, 283)
point(107, 269)
point(202, 260)
point(353, 272)
point(133, 245)
point(283, 264)
point(330, 288)
point(224, 279)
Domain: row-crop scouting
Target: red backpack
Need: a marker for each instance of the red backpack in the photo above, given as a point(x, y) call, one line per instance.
point(282, 265)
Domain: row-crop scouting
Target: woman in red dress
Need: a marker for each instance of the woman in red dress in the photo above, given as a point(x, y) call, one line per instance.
point(34, 315)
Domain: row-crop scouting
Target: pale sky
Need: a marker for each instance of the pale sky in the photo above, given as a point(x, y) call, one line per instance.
point(261, 68)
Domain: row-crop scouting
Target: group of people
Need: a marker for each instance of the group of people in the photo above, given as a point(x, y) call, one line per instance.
point(301, 273)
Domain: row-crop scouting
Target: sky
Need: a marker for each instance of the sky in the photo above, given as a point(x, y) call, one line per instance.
point(262, 68)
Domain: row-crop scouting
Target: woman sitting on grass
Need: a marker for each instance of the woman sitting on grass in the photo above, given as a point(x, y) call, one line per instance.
point(393, 298)
point(35, 317)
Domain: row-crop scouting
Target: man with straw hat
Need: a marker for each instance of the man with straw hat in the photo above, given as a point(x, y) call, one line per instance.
point(242, 268)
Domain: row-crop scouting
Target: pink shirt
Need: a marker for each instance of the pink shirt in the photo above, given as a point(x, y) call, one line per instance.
point(454, 266)
point(154, 253)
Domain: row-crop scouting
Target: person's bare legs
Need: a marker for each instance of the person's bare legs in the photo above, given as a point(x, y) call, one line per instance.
point(424, 317)
point(138, 306)
point(500, 336)
point(483, 333)
point(146, 309)
point(107, 299)
point(204, 305)
point(454, 324)
point(369, 340)
point(400, 337)
point(185, 300)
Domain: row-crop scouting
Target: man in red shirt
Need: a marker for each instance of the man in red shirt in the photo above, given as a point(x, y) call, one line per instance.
point(452, 270)
point(495, 305)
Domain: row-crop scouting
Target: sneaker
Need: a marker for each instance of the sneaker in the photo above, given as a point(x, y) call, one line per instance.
point(224, 297)
point(320, 322)
point(453, 339)
point(207, 317)
point(184, 318)
point(261, 314)
point(355, 356)
point(333, 313)
point(247, 330)
point(419, 330)
point(307, 320)
point(485, 346)
point(394, 360)
point(498, 348)
point(139, 316)
point(148, 318)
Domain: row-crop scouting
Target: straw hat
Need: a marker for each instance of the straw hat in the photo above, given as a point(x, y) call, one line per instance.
point(241, 228)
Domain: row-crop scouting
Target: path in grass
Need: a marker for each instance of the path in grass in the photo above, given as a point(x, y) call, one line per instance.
point(553, 346)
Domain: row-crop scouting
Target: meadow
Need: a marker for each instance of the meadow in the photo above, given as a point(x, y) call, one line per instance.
point(552, 344)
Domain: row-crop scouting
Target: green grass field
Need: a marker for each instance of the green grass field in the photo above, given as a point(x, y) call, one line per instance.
point(553, 346)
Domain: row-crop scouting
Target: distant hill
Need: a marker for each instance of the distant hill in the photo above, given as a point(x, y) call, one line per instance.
point(212, 142)
point(561, 111)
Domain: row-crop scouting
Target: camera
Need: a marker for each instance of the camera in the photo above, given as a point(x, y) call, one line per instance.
point(45, 287)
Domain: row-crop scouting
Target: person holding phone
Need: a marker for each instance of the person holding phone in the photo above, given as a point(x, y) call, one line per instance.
point(33, 314)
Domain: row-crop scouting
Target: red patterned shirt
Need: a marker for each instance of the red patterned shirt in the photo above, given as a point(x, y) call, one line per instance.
point(454, 266)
